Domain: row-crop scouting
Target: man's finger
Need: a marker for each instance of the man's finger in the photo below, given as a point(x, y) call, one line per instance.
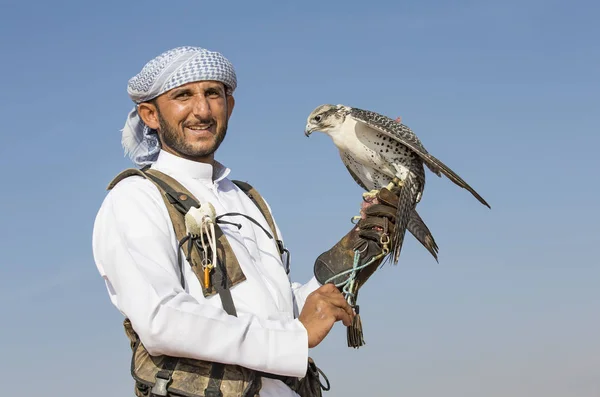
point(337, 300)
point(345, 317)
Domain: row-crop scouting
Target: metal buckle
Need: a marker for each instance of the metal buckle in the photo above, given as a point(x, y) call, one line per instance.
point(161, 385)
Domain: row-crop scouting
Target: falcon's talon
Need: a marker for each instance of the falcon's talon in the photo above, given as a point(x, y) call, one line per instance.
point(395, 183)
point(371, 194)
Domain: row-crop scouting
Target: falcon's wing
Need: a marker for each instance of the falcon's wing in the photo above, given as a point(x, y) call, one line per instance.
point(404, 135)
point(346, 162)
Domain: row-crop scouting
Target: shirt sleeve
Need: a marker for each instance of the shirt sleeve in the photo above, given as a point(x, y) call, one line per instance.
point(301, 291)
point(135, 251)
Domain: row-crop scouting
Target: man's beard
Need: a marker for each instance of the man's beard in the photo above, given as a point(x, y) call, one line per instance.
point(175, 140)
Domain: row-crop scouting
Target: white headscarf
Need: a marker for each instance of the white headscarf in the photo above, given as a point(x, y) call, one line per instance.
point(169, 70)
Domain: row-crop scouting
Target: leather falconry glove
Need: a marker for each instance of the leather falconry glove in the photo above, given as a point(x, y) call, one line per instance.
point(353, 259)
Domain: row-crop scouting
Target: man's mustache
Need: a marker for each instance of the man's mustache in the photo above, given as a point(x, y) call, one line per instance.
point(200, 123)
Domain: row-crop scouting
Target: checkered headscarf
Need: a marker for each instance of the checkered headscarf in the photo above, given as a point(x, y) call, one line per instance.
point(169, 70)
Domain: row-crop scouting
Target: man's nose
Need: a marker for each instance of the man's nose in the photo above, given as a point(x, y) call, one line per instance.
point(201, 107)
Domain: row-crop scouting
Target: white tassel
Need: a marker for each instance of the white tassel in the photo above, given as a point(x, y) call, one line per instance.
point(208, 229)
point(200, 223)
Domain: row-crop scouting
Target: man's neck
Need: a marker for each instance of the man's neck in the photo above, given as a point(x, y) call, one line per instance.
point(210, 159)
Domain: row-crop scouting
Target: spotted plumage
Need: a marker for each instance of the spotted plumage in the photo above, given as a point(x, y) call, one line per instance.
point(377, 150)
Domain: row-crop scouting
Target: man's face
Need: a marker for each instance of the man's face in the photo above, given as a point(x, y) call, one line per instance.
point(191, 120)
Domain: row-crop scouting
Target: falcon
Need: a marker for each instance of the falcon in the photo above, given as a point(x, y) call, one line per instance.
point(381, 152)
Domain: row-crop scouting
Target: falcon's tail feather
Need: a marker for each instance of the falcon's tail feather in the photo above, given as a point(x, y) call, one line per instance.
point(419, 229)
point(407, 198)
point(453, 176)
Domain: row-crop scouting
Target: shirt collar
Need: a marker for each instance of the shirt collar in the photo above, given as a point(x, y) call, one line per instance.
point(173, 164)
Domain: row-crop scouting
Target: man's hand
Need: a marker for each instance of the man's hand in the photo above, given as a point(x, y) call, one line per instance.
point(323, 308)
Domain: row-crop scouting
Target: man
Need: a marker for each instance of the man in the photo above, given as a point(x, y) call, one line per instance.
point(184, 99)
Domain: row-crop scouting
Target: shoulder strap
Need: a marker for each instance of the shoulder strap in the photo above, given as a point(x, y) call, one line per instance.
point(124, 174)
point(253, 194)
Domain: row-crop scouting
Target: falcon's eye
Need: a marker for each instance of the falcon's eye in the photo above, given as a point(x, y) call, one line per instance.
point(317, 118)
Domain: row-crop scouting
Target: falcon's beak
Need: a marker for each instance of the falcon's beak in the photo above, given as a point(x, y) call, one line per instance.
point(308, 130)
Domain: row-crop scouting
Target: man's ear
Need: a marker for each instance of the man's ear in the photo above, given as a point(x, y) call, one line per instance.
point(149, 114)
point(230, 105)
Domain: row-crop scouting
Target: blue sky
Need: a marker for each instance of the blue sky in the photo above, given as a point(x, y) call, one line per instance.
point(505, 93)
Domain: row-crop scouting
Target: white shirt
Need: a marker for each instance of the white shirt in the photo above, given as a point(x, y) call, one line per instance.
point(135, 249)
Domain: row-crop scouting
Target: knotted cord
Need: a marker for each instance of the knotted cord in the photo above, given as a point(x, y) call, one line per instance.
point(348, 284)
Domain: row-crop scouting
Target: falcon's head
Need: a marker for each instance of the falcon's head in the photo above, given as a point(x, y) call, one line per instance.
point(326, 118)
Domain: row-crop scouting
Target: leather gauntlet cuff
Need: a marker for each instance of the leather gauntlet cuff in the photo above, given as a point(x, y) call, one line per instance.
point(370, 237)
point(340, 258)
